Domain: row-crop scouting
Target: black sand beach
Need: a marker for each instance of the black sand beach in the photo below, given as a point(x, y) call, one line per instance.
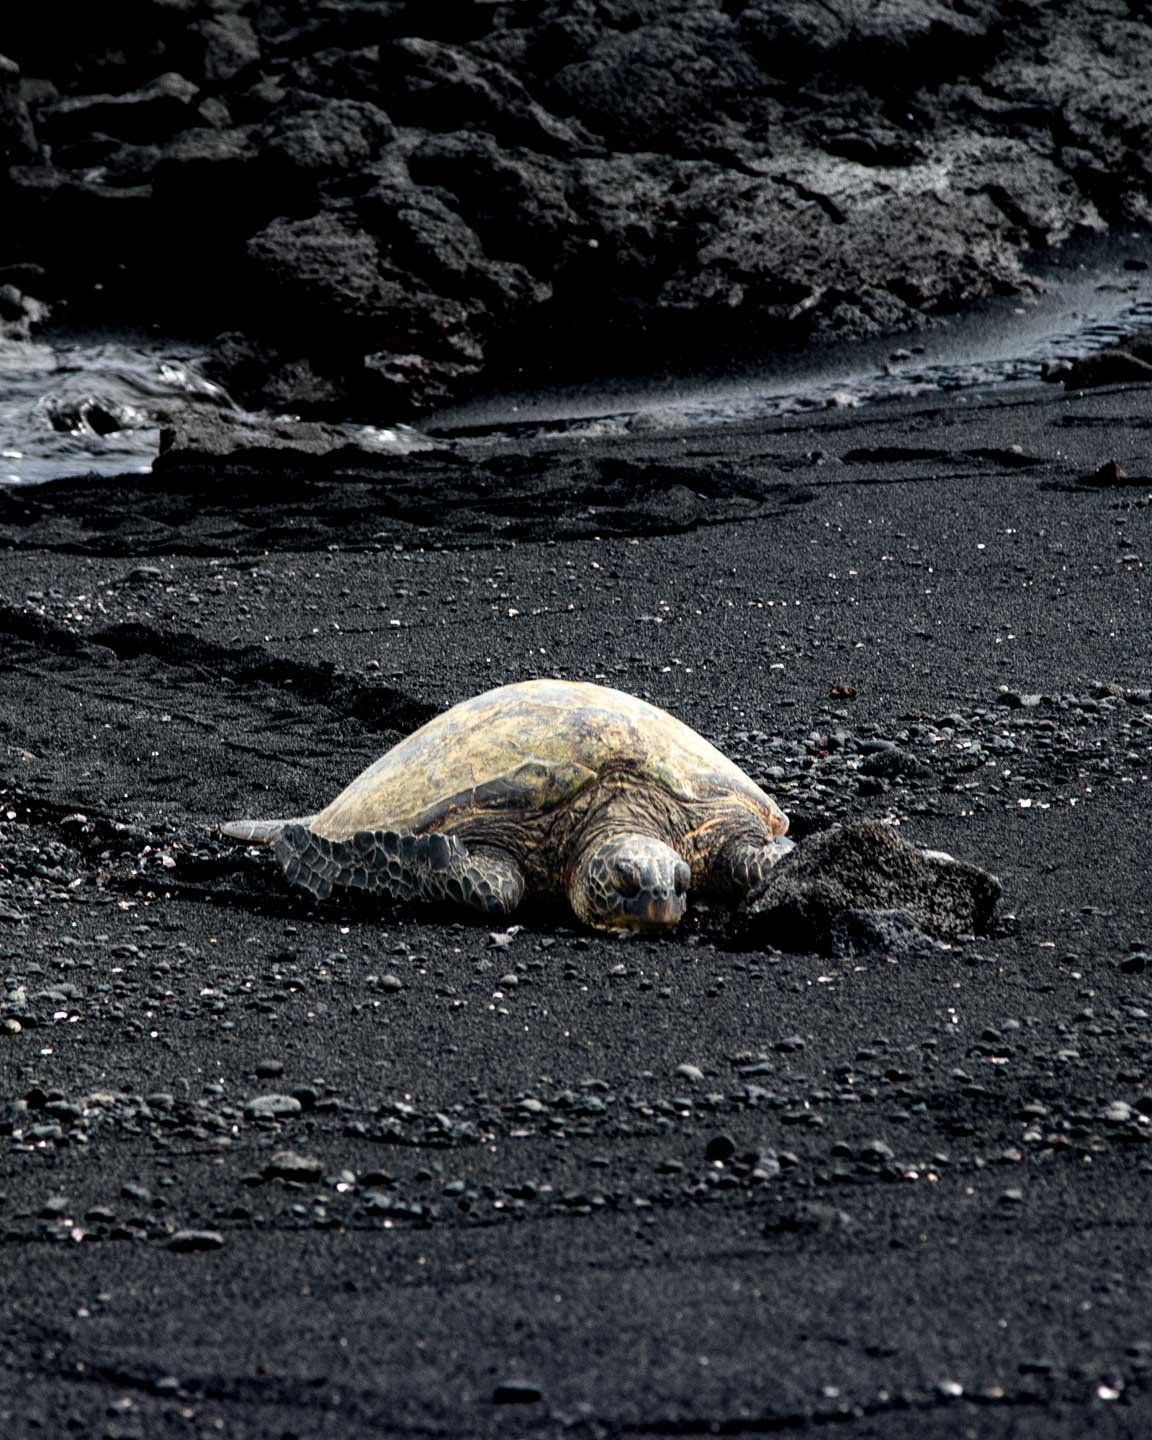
point(273, 1168)
point(682, 1186)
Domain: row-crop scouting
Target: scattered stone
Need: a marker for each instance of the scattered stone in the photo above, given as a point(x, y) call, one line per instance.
point(144, 575)
point(894, 764)
point(1110, 473)
point(516, 1392)
point(187, 1241)
point(272, 1107)
point(288, 1165)
point(809, 1217)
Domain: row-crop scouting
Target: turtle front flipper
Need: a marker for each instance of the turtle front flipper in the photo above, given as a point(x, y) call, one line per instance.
point(743, 865)
point(260, 832)
point(403, 867)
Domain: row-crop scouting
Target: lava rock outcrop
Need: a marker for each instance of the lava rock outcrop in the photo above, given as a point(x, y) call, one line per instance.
point(376, 204)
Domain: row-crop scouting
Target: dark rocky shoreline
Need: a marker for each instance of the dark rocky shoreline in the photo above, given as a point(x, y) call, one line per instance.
point(274, 1168)
point(383, 204)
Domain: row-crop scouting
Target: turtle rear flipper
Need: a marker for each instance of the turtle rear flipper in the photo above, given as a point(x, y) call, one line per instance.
point(401, 866)
point(260, 832)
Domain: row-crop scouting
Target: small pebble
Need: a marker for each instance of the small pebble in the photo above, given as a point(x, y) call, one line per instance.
point(186, 1241)
point(720, 1147)
point(268, 1107)
point(516, 1392)
point(811, 1216)
point(288, 1165)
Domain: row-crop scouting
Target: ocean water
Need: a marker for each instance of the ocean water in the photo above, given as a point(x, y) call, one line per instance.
point(74, 405)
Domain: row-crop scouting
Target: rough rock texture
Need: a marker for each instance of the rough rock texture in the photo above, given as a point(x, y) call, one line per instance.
point(389, 198)
point(821, 895)
point(19, 313)
point(1131, 360)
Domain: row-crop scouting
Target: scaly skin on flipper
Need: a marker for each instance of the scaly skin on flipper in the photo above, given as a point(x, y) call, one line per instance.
point(546, 786)
point(743, 866)
point(403, 867)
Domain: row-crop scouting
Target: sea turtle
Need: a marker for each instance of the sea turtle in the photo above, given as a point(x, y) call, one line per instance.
point(543, 787)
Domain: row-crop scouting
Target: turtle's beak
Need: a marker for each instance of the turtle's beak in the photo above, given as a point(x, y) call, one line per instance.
point(650, 912)
point(666, 913)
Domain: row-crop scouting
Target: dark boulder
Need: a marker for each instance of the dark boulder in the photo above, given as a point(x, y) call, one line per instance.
point(898, 45)
point(418, 233)
point(158, 109)
point(814, 897)
point(444, 87)
point(660, 86)
point(17, 136)
point(228, 46)
point(313, 140)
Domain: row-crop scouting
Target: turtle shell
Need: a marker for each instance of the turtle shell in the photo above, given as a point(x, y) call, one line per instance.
point(531, 747)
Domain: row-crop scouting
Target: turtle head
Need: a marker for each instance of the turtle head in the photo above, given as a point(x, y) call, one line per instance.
point(630, 882)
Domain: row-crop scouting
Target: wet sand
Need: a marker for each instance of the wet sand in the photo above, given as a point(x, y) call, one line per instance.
point(893, 1195)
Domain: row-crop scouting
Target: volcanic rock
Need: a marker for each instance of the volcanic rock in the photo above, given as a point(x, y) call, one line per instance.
point(812, 898)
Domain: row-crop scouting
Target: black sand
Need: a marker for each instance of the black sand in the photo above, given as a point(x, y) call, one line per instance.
point(893, 1194)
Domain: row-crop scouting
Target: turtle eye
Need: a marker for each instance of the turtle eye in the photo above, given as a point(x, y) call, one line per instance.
point(683, 878)
point(627, 879)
